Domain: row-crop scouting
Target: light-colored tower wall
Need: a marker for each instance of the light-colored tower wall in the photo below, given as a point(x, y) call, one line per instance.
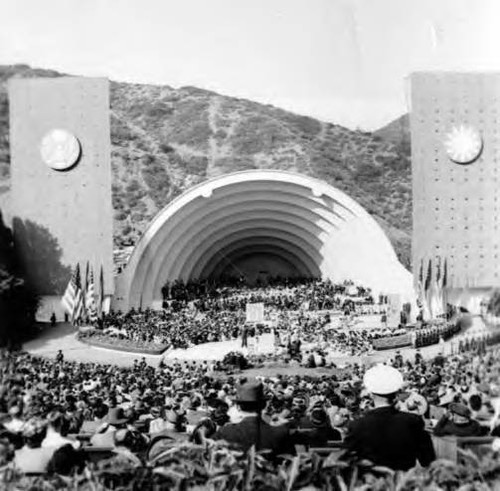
point(456, 206)
point(61, 218)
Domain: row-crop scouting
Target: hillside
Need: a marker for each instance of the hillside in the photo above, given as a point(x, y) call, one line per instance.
point(164, 140)
point(397, 131)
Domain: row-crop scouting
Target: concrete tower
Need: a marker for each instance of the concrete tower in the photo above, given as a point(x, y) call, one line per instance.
point(61, 182)
point(455, 134)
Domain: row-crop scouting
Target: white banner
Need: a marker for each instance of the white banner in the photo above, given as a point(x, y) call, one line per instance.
point(394, 310)
point(255, 312)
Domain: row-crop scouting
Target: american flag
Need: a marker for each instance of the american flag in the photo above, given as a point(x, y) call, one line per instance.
point(72, 299)
point(90, 303)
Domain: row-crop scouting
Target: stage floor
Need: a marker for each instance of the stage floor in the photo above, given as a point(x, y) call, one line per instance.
point(63, 337)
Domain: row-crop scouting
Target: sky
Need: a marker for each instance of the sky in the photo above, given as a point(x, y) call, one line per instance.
point(343, 61)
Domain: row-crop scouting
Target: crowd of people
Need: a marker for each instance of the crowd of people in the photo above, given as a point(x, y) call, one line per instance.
point(200, 312)
point(43, 402)
point(434, 334)
point(318, 332)
point(280, 293)
point(51, 409)
point(169, 328)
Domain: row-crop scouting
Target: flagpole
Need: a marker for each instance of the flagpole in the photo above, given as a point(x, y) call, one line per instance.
point(101, 293)
point(427, 291)
point(86, 314)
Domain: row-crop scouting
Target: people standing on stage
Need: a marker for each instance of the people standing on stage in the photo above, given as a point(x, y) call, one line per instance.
point(244, 336)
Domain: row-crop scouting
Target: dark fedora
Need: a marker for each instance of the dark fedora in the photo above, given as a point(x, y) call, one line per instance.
point(319, 417)
point(460, 409)
point(250, 392)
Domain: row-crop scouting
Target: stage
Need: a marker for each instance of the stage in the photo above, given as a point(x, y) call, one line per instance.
point(63, 337)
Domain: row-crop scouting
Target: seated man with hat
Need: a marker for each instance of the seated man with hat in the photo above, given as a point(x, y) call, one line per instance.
point(384, 435)
point(252, 430)
point(113, 421)
point(318, 431)
point(458, 422)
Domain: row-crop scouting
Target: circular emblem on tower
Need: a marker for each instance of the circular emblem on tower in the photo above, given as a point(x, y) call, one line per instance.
point(463, 144)
point(60, 149)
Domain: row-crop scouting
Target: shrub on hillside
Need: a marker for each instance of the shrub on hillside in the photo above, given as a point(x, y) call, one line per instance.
point(258, 134)
point(195, 134)
point(366, 171)
point(133, 186)
point(303, 124)
point(156, 178)
point(166, 148)
point(4, 170)
point(221, 134)
point(159, 110)
point(120, 133)
point(494, 304)
point(234, 164)
point(120, 215)
point(126, 229)
point(196, 165)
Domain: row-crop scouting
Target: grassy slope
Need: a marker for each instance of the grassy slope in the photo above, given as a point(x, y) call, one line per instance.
point(164, 140)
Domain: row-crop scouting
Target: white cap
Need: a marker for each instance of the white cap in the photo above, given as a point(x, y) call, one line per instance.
point(383, 380)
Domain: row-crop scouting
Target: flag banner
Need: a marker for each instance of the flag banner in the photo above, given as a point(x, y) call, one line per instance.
point(444, 282)
point(100, 305)
point(444, 285)
point(72, 299)
point(90, 303)
point(436, 297)
point(427, 290)
point(84, 289)
point(420, 284)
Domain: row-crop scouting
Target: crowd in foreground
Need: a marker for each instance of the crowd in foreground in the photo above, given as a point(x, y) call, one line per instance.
point(141, 411)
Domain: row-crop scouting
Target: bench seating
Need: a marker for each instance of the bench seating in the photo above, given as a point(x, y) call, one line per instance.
point(447, 447)
point(94, 454)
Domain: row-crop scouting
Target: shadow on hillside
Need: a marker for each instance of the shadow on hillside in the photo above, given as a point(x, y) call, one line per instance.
point(38, 257)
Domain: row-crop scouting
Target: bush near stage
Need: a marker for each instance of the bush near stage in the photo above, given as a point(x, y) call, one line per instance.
point(103, 340)
point(234, 359)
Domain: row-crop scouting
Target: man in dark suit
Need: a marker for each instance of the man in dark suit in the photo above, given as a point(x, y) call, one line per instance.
point(252, 430)
point(458, 422)
point(384, 435)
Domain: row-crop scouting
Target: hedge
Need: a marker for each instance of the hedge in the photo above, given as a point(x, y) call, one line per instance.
point(119, 346)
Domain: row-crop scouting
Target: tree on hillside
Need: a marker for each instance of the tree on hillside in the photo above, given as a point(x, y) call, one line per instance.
point(18, 301)
point(494, 304)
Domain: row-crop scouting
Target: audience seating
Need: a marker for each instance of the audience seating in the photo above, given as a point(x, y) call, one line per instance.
point(447, 447)
point(94, 454)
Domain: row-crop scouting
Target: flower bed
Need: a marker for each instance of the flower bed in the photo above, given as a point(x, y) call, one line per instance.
point(392, 342)
point(102, 340)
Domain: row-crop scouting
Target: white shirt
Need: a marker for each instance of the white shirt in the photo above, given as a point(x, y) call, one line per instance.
point(54, 439)
point(15, 425)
